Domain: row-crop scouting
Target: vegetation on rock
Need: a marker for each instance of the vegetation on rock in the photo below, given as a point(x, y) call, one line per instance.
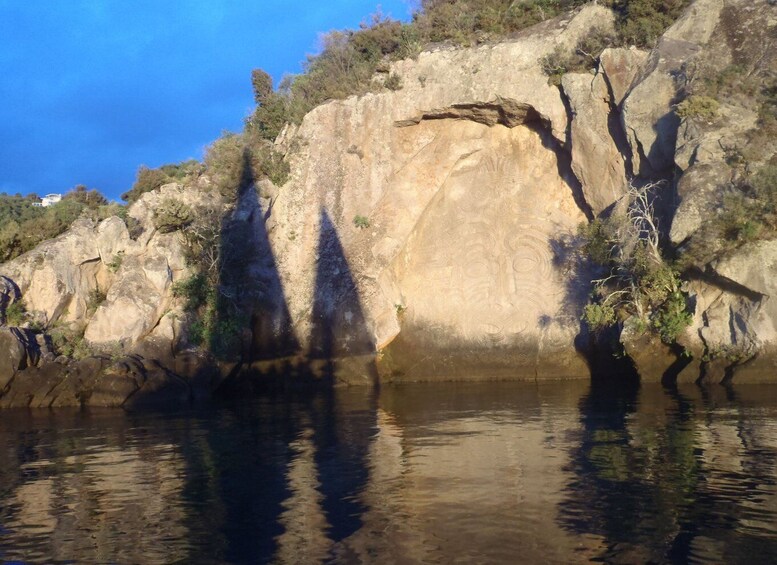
point(237, 160)
point(96, 297)
point(636, 279)
point(584, 57)
point(746, 212)
point(349, 59)
point(23, 225)
point(69, 341)
point(16, 313)
point(702, 107)
point(641, 22)
point(361, 222)
point(172, 215)
point(150, 179)
point(215, 314)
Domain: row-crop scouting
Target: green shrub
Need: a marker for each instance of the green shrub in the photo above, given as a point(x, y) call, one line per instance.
point(468, 21)
point(70, 342)
point(23, 226)
point(94, 299)
point(172, 215)
point(636, 282)
point(269, 118)
point(672, 317)
point(555, 65)
point(349, 59)
point(226, 161)
point(747, 213)
point(642, 22)
point(16, 313)
point(702, 107)
point(115, 263)
point(393, 82)
point(195, 290)
point(764, 185)
point(599, 316)
point(148, 179)
point(89, 198)
point(238, 160)
point(583, 57)
point(361, 222)
point(271, 164)
point(599, 240)
point(262, 85)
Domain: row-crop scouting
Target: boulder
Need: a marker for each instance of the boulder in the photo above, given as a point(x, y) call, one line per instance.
point(464, 188)
point(134, 304)
point(18, 350)
point(620, 67)
point(754, 267)
point(596, 159)
point(117, 383)
point(652, 358)
point(9, 293)
point(161, 389)
point(700, 194)
point(648, 115)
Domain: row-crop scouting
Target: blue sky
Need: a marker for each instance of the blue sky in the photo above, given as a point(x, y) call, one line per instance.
point(89, 89)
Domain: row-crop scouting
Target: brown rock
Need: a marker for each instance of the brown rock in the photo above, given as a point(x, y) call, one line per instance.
point(117, 383)
point(621, 67)
point(596, 160)
point(652, 358)
point(648, 116)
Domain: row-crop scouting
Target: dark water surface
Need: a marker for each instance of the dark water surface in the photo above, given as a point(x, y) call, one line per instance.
point(453, 473)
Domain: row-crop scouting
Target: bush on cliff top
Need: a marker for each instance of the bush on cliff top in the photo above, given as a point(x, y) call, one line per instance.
point(150, 179)
point(349, 59)
point(236, 161)
point(23, 225)
point(642, 22)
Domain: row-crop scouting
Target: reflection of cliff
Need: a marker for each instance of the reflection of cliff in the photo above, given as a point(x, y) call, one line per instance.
point(304, 539)
point(122, 504)
point(666, 475)
point(466, 474)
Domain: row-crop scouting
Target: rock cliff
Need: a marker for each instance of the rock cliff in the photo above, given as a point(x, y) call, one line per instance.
point(428, 232)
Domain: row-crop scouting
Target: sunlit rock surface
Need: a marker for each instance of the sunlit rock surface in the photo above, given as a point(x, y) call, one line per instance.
point(430, 232)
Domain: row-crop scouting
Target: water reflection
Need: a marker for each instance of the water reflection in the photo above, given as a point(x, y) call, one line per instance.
point(490, 472)
point(676, 475)
point(79, 497)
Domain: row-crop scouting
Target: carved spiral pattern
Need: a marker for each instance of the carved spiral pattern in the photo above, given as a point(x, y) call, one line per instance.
point(482, 258)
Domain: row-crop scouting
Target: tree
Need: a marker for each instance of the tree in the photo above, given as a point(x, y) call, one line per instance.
point(262, 83)
point(637, 282)
point(90, 198)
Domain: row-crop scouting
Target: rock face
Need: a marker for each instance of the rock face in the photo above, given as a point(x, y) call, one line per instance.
point(464, 181)
point(595, 135)
point(94, 275)
point(98, 280)
point(648, 116)
point(18, 350)
point(426, 229)
point(733, 332)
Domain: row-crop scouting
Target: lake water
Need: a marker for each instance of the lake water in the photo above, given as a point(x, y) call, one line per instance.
point(450, 473)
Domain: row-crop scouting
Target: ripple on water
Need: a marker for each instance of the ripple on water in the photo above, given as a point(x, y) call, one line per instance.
point(494, 472)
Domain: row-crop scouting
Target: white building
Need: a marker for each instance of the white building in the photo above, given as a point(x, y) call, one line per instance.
point(50, 199)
